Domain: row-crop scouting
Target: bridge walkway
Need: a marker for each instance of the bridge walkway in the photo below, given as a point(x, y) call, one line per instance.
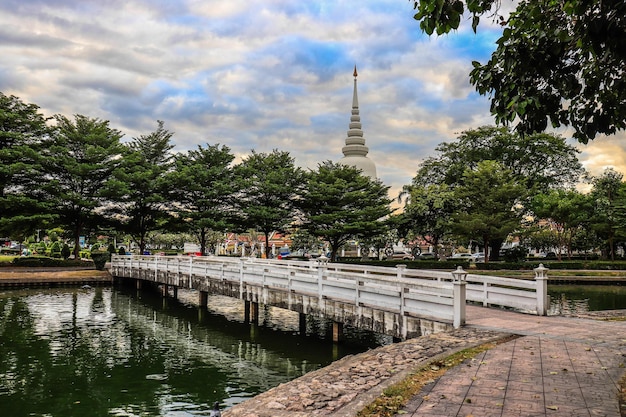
point(560, 366)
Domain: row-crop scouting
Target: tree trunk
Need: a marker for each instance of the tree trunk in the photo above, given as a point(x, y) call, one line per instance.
point(76, 245)
point(268, 248)
point(203, 241)
point(495, 245)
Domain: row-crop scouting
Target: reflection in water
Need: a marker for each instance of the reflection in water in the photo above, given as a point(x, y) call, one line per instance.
point(570, 300)
point(106, 352)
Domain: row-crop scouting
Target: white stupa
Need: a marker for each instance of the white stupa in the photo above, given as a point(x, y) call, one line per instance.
point(355, 151)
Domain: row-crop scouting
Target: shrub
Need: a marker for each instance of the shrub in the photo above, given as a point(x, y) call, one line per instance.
point(100, 258)
point(55, 249)
point(121, 251)
point(515, 254)
point(111, 249)
point(41, 248)
point(43, 261)
point(65, 251)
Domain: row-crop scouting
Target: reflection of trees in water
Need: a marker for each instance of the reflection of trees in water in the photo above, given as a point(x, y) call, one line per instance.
point(253, 366)
point(99, 351)
point(579, 299)
point(68, 354)
point(563, 306)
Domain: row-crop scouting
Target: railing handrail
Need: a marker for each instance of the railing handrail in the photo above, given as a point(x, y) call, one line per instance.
point(508, 292)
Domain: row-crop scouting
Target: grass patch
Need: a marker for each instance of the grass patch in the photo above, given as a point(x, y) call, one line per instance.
point(395, 397)
point(551, 273)
point(7, 258)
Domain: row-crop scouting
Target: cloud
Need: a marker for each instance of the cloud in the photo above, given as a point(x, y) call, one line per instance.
point(263, 75)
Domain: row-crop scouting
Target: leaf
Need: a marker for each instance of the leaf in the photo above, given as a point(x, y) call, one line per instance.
point(552, 407)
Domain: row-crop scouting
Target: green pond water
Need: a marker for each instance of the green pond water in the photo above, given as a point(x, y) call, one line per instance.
point(107, 352)
point(116, 352)
point(572, 299)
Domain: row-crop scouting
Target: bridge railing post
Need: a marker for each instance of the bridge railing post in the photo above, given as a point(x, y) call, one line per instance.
point(400, 271)
point(242, 267)
point(322, 264)
point(541, 278)
point(459, 281)
point(190, 271)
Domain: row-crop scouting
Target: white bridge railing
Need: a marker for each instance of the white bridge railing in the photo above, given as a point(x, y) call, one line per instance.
point(435, 294)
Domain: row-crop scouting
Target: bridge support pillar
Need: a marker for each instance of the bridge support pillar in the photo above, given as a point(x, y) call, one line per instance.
point(251, 312)
point(337, 332)
point(165, 290)
point(139, 282)
point(302, 323)
point(175, 291)
point(204, 298)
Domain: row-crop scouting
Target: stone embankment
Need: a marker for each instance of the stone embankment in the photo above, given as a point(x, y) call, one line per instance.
point(349, 384)
point(22, 277)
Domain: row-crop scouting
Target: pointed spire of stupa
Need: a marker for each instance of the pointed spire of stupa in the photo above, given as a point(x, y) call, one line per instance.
point(355, 151)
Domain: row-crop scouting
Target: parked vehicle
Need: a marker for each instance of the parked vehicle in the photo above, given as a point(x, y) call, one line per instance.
point(404, 255)
point(427, 255)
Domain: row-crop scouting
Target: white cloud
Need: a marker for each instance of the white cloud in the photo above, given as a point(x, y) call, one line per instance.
point(257, 75)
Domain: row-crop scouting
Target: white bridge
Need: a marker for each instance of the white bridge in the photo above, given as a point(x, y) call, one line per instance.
point(396, 301)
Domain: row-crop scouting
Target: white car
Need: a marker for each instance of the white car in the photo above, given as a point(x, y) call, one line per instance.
point(472, 257)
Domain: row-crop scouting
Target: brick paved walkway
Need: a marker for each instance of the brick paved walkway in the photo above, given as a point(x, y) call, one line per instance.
point(560, 367)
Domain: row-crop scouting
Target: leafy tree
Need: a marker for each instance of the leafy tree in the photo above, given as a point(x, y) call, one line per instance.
point(140, 192)
point(268, 186)
point(22, 128)
point(339, 204)
point(428, 211)
point(488, 203)
point(556, 62)
point(202, 189)
point(302, 239)
point(540, 162)
point(608, 195)
point(539, 237)
point(78, 161)
point(566, 211)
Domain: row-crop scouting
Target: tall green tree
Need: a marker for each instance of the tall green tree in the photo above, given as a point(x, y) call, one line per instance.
point(22, 129)
point(489, 203)
point(540, 162)
point(556, 63)
point(566, 211)
point(140, 194)
point(543, 161)
point(202, 190)
point(428, 211)
point(78, 161)
point(339, 204)
point(268, 186)
point(608, 196)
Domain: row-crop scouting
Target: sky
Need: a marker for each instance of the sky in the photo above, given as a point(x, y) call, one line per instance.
point(259, 75)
